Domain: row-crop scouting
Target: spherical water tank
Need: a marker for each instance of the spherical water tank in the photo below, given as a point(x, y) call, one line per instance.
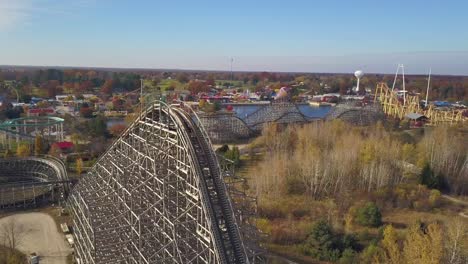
point(358, 74)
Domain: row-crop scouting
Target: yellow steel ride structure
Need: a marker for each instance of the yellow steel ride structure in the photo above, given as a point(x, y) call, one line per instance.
point(394, 108)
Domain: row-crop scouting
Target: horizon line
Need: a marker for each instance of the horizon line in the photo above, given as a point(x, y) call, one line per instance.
point(212, 70)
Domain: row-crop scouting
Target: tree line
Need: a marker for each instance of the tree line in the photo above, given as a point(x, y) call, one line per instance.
point(328, 158)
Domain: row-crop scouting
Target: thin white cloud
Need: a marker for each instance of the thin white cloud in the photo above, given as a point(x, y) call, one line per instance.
point(14, 12)
point(17, 13)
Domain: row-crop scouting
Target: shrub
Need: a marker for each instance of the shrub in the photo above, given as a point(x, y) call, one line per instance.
point(369, 215)
point(349, 241)
point(287, 233)
point(295, 186)
point(86, 112)
point(264, 225)
point(432, 180)
point(233, 154)
point(370, 253)
point(434, 198)
point(223, 149)
point(300, 212)
point(322, 242)
point(271, 211)
point(321, 234)
point(348, 256)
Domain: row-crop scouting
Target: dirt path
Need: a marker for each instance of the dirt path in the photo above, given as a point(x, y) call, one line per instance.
point(457, 201)
point(41, 236)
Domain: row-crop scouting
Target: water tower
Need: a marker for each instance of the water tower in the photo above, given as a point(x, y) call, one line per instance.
point(358, 75)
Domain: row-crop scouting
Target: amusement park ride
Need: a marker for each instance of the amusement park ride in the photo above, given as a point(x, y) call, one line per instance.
point(27, 128)
point(400, 105)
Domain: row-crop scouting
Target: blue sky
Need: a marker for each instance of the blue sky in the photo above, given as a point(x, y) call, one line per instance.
point(294, 35)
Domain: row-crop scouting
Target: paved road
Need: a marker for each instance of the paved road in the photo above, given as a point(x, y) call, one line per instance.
point(40, 236)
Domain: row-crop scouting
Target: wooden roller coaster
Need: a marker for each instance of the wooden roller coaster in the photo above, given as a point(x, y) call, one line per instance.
point(393, 106)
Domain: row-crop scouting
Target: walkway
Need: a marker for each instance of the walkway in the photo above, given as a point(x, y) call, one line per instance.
point(457, 201)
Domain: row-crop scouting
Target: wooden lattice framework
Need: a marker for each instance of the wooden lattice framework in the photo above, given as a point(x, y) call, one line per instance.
point(156, 196)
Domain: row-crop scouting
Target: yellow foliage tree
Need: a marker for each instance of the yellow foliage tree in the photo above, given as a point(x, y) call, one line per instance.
point(79, 166)
point(409, 153)
point(368, 153)
point(436, 242)
point(201, 103)
point(75, 138)
point(38, 145)
point(23, 150)
point(424, 247)
point(390, 245)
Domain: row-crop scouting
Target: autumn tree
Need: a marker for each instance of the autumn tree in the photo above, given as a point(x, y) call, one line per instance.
point(196, 86)
point(130, 118)
point(443, 150)
point(310, 154)
point(456, 241)
point(182, 77)
point(210, 80)
point(23, 150)
point(86, 111)
point(391, 247)
point(55, 150)
point(75, 139)
point(202, 103)
point(118, 103)
point(156, 81)
point(79, 166)
point(117, 129)
point(107, 87)
point(38, 145)
point(409, 153)
point(172, 86)
point(424, 245)
point(52, 88)
point(43, 104)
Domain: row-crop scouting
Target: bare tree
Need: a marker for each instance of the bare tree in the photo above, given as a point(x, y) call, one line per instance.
point(457, 235)
point(12, 234)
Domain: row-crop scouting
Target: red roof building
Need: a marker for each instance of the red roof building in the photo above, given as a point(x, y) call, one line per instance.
point(40, 111)
point(64, 145)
